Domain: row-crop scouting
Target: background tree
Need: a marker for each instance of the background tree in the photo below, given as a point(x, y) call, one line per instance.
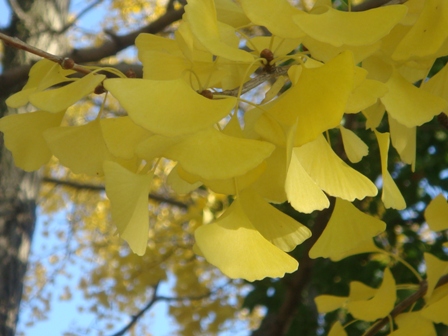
point(289, 302)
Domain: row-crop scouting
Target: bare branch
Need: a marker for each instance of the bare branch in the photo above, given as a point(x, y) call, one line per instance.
point(99, 187)
point(19, 44)
point(135, 318)
point(156, 298)
point(80, 14)
point(10, 78)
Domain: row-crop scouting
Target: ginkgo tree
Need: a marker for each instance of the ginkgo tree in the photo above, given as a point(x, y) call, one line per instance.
point(267, 121)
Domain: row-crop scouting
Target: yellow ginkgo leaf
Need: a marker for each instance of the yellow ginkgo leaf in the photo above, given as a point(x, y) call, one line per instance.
point(276, 15)
point(215, 156)
point(230, 13)
point(122, 136)
point(234, 246)
point(43, 75)
point(436, 213)
point(346, 228)
point(274, 89)
point(80, 148)
point(350, 28)
point(150, 104)
point(202, 18)
point(410, 105)
point(155, 146)
point(334, 177)
point(413, 323)
point(374, 114)
point(302, 191)
point(365, 246)
point(365, 95)
point(328, 303)
point(360, 291)
point(270, 129)
point(325, 52)
point(229, 186)
point(437, 84)
point(59, 99)
point(271, 184)
point(404, 140)
point(303, 102)
point(436, 311)
point(179, 185)
point(354, 147)
point(128, 195)
point(23, 137)
point(435, 269)
point(391, 195)
point(278, 228)
point(379, 305)
point(427, 35)
point(337, 330)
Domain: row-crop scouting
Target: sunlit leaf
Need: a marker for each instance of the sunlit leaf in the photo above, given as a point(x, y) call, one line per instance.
point(413, 323)
point(328, 303)
point(391, 195)
point(60, 98)
point(435, 269)
point(122, 136)
point(335, 177)
point(280, 229)
point(276, 15)
point(216, 156)
point(201, 15)
point(150, 104)
point(80, 148)
point(302, 191)
point(234, 246)
point(23, 137)
point(354, 147)
point(380, 304)
point(351, 28)
point(43, 75)
point(427, 34)
point(128, 194)
point(347, 226)
point(410, 105)
point(436, 213)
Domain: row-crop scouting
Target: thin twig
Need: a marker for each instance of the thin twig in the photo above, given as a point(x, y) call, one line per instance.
point(99, 187)
point(254, 82)
point(19, 44)
point(155, 298)
point(80, 14)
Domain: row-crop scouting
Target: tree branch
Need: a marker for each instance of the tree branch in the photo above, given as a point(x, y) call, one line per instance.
point(9, 79)
point(80, 14)
point(156, 298)
point(135, 318)
point(99, 187)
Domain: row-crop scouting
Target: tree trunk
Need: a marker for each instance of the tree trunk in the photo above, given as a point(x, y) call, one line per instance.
point(39, 23)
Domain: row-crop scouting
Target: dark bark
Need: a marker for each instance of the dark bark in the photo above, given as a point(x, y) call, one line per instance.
point(36, 23)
